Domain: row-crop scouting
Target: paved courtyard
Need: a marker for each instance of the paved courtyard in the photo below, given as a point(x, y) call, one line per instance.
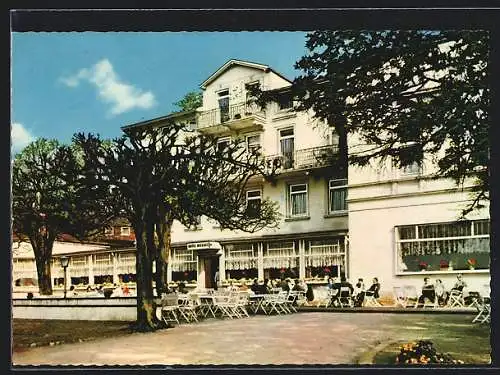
point(302, 338)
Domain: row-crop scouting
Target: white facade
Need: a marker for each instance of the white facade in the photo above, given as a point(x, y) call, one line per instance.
point(321, 232)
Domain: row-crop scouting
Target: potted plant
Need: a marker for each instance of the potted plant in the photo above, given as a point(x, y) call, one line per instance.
point(472, 262)
point(444, 265)
point(423, 265)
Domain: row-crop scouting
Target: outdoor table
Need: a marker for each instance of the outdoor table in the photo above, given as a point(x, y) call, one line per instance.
point(256, 301)
point(207, 304)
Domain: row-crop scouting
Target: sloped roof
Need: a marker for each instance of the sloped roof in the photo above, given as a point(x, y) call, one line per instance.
point(158, 120)
point(233, 62)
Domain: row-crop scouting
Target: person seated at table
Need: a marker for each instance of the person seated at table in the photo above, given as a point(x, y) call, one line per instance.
point(284, 285)
point(336, 290)
point(359, 293)
point(440, 291)
point(309, 293)
point(428, 292)
point(264, 288)
point(255, 287)
point(373, 291)
point(459, 286)
point(330, 283)
point(297, 286)
point(72, 291)
point(181, 288)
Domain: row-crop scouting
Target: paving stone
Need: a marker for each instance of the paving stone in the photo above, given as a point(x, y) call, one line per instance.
point(302, 338)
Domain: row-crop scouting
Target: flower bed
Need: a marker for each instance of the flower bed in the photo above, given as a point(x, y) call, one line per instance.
point(423, 352)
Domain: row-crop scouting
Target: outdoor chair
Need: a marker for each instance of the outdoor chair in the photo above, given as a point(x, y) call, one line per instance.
point(411, 296)
point(370, 300)
point(170, 308)
point(345, 297)
point(433, 304)
point(187, 308)
point(399, 295)
point(483, 311)
point(456, 299)
point(241, 302)
point(332, 298)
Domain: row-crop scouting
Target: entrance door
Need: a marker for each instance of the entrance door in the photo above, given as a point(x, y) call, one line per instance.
point(211, 267)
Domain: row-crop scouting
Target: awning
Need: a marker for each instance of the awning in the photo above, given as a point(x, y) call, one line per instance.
point(206, 249)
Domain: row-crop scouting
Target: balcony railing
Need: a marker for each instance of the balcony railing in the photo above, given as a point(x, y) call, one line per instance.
point(315, 157)
point(219, 116)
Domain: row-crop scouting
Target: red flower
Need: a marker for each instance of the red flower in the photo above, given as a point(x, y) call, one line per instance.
point(185, 273)
point(282, 270)
point(423, 264)
point(327, 270)
point(472, 262)
point(443, 263)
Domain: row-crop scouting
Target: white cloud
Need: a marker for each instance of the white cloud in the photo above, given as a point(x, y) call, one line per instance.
point(123, 96)
point(20, 137)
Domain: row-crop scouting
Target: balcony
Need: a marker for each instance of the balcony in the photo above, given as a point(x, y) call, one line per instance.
point(308, 158)
point(235, 117)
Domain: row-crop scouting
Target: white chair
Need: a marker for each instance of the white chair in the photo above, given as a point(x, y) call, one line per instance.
point(370, 300)
point(411, 296)
point(170, 308)
point(483, 311)
point(399, 296)
point(187, 308)
point(345, 297)
point(456, 299)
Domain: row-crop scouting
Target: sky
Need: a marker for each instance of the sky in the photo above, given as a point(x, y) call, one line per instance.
point(63, 83)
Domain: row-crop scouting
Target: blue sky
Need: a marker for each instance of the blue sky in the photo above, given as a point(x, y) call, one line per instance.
point(63, 83)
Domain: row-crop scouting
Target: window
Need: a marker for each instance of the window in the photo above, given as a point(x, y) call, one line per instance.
point(281, 259)
point(223, 99)
point(125, 231)
point(337, 195)
point(457, 245)
point(326, 257)
point(253, 142)
point(241, 261)
point(287, 149)
point(334, 138)
point(412, 169)
point(223, 143)
point(254, 200)
point(285, 101)
point(298, 200)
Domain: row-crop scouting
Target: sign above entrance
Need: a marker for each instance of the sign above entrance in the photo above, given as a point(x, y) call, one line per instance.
point(204, 246)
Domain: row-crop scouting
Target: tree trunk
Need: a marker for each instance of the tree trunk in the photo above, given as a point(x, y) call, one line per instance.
point(340, 128)
point(163, 231)
point(146, 306)
point(42, 245)
point(44, 276)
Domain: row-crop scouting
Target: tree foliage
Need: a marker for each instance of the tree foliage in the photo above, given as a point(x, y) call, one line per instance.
point(405, 94)
point(190, 101)
point(165, 174)
point(49, 197)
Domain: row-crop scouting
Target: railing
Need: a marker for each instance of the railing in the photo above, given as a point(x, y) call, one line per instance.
point(315, 157)
point(222, 115)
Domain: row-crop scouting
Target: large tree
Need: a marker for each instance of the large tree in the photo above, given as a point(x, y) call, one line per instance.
point(164, 175)
point(405, 94)
point(190, 101)
point(49, 198)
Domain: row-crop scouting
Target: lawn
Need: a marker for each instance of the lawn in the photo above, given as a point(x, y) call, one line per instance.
point(32, 332)
point(461, 339)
